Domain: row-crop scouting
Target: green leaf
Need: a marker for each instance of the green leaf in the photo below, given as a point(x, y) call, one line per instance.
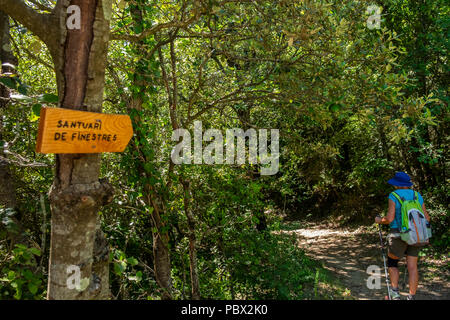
point(22, 89)
point(9, 82)
point(35, 251)
point(11, 275)
point(132, 261)
point(37, 109)
point(138, 29)
point(32, 287)
point(117, 269)
point(21, 247)
point(27, 274)
point(49, 98)
point(18, 294)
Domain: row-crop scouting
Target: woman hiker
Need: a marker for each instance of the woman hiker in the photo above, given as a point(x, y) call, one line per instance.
point(396, 247)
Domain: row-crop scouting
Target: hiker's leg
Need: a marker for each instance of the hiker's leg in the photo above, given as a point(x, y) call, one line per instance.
point(396, 251)
point(394, 274)
point(413, 274)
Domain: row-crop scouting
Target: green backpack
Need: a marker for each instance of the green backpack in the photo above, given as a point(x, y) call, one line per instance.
point(414, 227)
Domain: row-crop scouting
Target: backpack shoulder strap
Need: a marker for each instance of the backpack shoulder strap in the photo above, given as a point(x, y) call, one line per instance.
point(416, 195)
point(397, 217)
point(400, 200)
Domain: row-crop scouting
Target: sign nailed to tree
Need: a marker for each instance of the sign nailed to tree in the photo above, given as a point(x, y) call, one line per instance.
point(71, 131)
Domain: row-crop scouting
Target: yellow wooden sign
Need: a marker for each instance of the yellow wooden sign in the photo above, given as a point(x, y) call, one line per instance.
point(71, 131)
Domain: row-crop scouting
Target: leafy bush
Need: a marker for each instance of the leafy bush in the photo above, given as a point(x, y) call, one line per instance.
point(440, 218)
point(271, 266)
point(20, 275)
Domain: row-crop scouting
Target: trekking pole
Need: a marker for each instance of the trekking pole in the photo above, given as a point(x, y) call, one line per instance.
point(384, 261)
point(404, 275)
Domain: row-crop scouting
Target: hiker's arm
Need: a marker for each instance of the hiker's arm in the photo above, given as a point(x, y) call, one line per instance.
point(425, 212)
point(390, 215)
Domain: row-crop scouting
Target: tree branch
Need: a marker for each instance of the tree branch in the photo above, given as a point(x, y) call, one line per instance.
point(40, 6)
point(155, 29)
point(31, 55)
point(37, 23)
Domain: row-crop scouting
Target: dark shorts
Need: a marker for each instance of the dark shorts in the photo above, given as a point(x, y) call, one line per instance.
point(400, 248)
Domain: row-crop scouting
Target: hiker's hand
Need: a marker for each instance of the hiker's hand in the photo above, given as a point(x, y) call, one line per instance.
point(377, 219)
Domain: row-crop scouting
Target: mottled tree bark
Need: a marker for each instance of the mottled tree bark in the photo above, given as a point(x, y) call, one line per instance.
point(7, 189)
point(77, 193)
point(193, 265)
point(161, 253)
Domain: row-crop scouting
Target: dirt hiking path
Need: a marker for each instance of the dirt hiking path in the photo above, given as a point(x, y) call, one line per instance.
point(348, 253)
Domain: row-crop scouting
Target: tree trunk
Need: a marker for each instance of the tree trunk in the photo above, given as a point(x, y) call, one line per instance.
point(161, 253)
point(154, 200)
point(79, 56)
point(7, 190)
point(192, 240)
point(77, 193)
point(383, 140)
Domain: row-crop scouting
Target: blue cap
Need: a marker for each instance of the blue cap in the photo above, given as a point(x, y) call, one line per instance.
point(401, 179)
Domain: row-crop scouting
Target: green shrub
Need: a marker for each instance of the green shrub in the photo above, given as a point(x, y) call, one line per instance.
point(19, 274)
point(271, 266)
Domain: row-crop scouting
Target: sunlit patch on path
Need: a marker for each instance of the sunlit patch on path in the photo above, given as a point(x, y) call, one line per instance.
point(348, 253)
